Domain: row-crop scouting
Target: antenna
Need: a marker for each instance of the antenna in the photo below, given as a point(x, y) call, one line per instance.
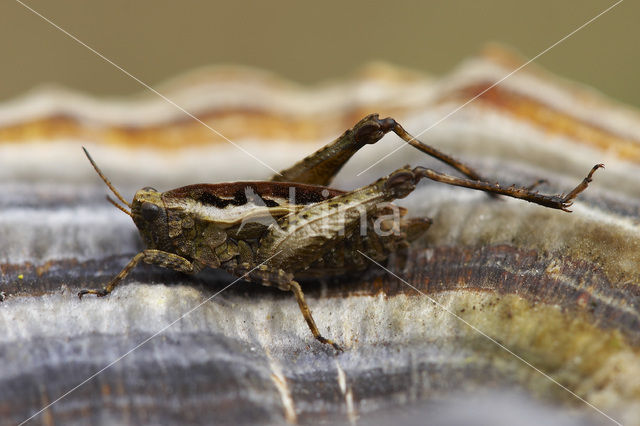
point(105, 180)
point(118, 206)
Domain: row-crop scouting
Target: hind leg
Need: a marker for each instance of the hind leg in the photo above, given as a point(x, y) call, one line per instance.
point(560, 202)
point(321, 167)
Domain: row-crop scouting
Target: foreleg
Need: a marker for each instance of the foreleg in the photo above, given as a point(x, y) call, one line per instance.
point(156, 257)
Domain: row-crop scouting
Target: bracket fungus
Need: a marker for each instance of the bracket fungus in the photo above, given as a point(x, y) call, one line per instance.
point(545, 291)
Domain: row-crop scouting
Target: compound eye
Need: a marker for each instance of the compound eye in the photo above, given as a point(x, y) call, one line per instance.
point(148, 188)
point(149, 210)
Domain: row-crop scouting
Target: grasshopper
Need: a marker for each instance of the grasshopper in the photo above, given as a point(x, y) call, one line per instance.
point(256, 230)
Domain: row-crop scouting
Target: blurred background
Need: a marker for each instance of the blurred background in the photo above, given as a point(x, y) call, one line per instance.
point(308, 42)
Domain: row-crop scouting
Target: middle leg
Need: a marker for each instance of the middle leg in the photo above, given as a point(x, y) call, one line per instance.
point(284, 281)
